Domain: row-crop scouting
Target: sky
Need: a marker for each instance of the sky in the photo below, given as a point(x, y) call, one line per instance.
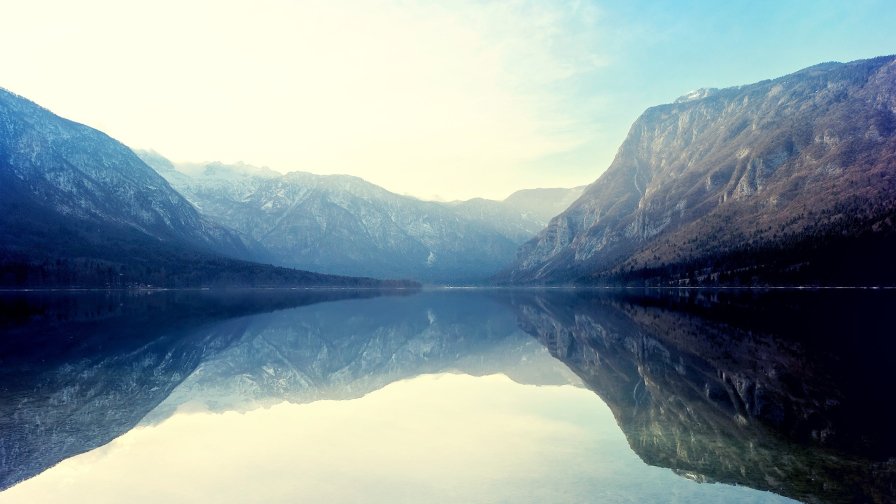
point(439, 100)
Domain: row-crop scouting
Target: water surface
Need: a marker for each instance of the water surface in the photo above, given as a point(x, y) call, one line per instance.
point(445, 396)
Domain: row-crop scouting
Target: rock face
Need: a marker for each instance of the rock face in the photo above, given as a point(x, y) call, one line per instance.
point(52, 167)
point(724, 387)
point(522, 214)
point(514, 224)
point(782, 181)
point(545, 203)
point(345, 225)
point(80, 209)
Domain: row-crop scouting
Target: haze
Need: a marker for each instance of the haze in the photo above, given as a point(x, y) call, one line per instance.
point(439, 101)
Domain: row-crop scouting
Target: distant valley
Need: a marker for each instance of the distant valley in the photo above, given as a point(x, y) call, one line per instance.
point(345, 225)
point(80, 209)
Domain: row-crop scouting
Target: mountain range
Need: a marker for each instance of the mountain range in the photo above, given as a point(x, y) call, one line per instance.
point(345, 225)
point(789, 181)
point(786, 181)
point(78, 208)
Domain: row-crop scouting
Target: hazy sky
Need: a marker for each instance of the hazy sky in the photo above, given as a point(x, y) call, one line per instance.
point(449, 99)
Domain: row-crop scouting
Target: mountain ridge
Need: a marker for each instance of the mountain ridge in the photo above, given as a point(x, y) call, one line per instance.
point(80, 209)
point(344, 224)
point(771, 182)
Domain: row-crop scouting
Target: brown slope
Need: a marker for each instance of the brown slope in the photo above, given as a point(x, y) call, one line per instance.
point(774, 182)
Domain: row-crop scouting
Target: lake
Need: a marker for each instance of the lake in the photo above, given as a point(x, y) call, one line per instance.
point(448, 395)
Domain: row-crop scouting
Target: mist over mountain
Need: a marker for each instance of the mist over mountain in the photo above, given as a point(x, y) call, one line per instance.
point(346, 225)
point(521, 215)
point(786, 181)
point(78, 208)
point(543, 204)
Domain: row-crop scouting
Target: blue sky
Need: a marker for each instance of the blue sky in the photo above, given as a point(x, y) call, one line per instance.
point(435, 99)
point(660, 50)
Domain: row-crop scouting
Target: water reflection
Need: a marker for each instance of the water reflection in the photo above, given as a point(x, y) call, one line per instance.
point(789, 392)
point(78, 370)
point(348, 349)
point(774, 391)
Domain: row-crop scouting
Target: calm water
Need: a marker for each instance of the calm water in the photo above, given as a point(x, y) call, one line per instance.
point(448, 396)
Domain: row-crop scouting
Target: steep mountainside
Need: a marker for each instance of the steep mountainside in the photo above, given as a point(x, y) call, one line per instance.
point(345, 225)
point(543, 204)
point(522, 214)
point(78, 208)
point(511, 223)
point(791, 180)
point(50, 164)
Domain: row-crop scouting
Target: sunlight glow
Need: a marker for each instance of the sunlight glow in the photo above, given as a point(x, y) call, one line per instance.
point(413, 96)
point(441, 100)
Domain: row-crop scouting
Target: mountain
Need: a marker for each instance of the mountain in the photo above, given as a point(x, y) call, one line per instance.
point(52, 165)
point(543, 204)
point(522, 214)
point(510, 223)
point(344, 225)
point(78, 208)
point(786, 181)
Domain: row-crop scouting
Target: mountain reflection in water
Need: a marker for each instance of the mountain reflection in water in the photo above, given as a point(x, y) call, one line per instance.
point(777, 391)
point(784, 391)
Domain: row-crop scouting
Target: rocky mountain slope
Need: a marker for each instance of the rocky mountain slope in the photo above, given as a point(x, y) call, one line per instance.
point(54, 165)
point(521, 215)
point(543, 204)
point(345, 225)
point(791, 180)
point(78, 208)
